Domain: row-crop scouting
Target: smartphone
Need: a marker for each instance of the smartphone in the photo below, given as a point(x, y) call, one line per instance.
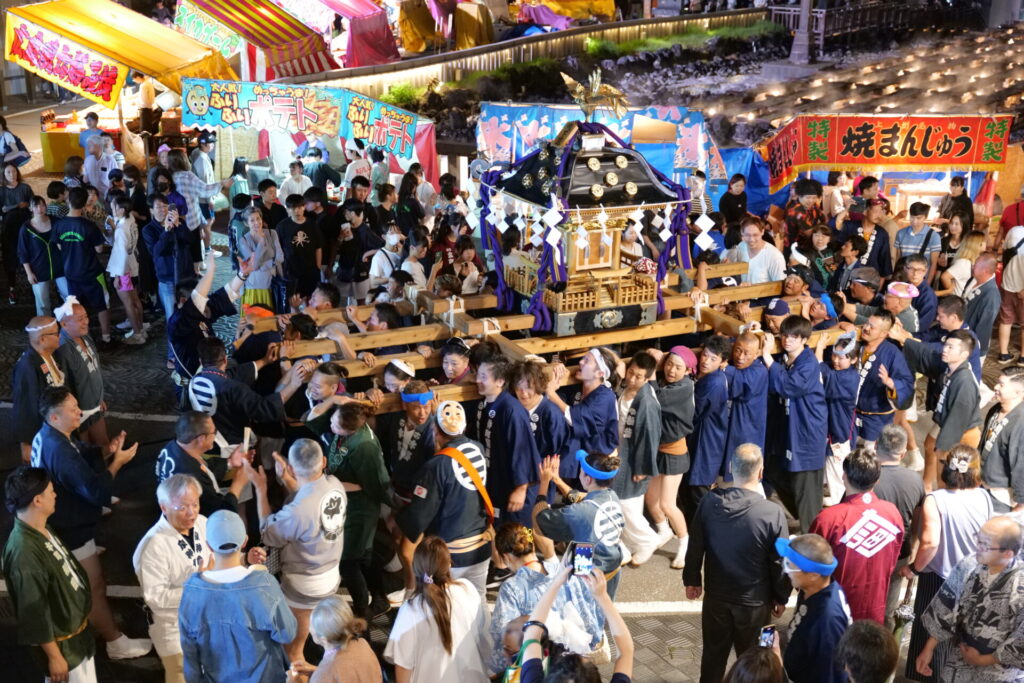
point(246, 440)
point(582, 559)
point(767, 637)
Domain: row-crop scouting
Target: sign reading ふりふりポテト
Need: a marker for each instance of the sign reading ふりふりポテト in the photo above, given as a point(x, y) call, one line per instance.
point(64, 62)
point(298, 109)
point(841, 142)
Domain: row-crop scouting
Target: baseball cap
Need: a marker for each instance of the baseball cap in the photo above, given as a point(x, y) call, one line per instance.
point(687, 355)
point(777, 306)
point(802, 272)
point(867, 276)
point(207, 136)
point(845, 344)
point(115, 174)
point(225, 532)
point(163, 148)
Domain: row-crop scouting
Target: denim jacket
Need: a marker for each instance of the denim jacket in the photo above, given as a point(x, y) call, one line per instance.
point(235, 631)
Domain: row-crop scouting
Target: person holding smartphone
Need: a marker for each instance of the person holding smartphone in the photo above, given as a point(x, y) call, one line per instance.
point(569, 666)
point(594, 518)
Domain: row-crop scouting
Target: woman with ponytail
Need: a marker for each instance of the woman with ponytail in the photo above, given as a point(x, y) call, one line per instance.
point(440, 634)
point(576, 621)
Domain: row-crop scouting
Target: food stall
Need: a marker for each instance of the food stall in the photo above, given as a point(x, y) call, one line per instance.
point(911, 155)
point(291, 48)
point(91, 47)
point(258, 116)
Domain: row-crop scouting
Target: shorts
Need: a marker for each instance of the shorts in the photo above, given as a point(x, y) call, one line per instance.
point(206, 209)
point(86, 551)
point(1011, 308)
point(123, 283)
point(304, 592)
point(673, 464)
point(92, 294)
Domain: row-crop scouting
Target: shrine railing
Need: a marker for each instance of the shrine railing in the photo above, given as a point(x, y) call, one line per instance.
point(850, 19)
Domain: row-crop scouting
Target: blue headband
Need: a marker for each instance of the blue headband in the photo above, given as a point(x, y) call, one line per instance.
point(423, 399)
point(592, 471)
point(805, 564)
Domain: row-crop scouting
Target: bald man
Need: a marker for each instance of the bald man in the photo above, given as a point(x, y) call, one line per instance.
point(37, 368)
point(981, 608)
point(981, 294)
point(79, 355)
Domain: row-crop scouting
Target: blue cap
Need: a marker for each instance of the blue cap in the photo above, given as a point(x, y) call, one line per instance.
point(225, 532)
point(777, 307)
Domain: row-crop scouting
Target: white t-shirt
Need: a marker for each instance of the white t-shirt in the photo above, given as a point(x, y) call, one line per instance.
point(384, 263)
point(415, 644)
point(358, 167)
point(768, 266)
point(292, 186)
point(415, 268)
point(1013, 272)
point(960, 271)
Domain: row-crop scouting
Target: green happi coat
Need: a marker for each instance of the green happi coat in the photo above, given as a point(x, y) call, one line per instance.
point(50, 592)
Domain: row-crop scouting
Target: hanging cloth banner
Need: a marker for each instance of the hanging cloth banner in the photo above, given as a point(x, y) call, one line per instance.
point(64, 62)
point(894, 142)
point(195, 23)
point(332, 112)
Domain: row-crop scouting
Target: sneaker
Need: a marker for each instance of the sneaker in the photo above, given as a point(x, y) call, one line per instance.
point(1005, 358)
point(11, 298)
point(679, 561)
point(642, 555)
point(128, 648)
point(135, 339)
point(397, 598)
point(495, 576)
point(125, 325)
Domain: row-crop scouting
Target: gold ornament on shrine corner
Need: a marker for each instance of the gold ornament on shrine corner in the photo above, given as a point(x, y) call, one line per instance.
point(596, 191)
point(596, 95)
point(527, 181)
point(594, 164)
point(621, 161)
point(631, 189)
point(611, 178)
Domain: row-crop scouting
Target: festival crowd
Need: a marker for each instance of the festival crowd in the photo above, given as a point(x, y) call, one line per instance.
point(770, 468)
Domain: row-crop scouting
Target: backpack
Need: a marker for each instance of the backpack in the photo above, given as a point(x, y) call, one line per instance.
point(19, 156)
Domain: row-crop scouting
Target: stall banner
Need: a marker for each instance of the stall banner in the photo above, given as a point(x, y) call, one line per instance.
point(64, 62)
point(195, 23)
point(818, 142)
point(673, 139)
point(331, 112)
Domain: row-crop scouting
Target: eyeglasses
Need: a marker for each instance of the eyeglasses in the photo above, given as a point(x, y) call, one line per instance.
point(983, 545)
point(184, 508)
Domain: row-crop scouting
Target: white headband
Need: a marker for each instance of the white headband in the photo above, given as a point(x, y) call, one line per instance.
point(601, 365)
point(39, 328)
point(66, 309)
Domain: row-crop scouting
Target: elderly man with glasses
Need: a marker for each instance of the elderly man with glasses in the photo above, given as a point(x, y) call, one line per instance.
point(171, 551)
point(981, 608)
